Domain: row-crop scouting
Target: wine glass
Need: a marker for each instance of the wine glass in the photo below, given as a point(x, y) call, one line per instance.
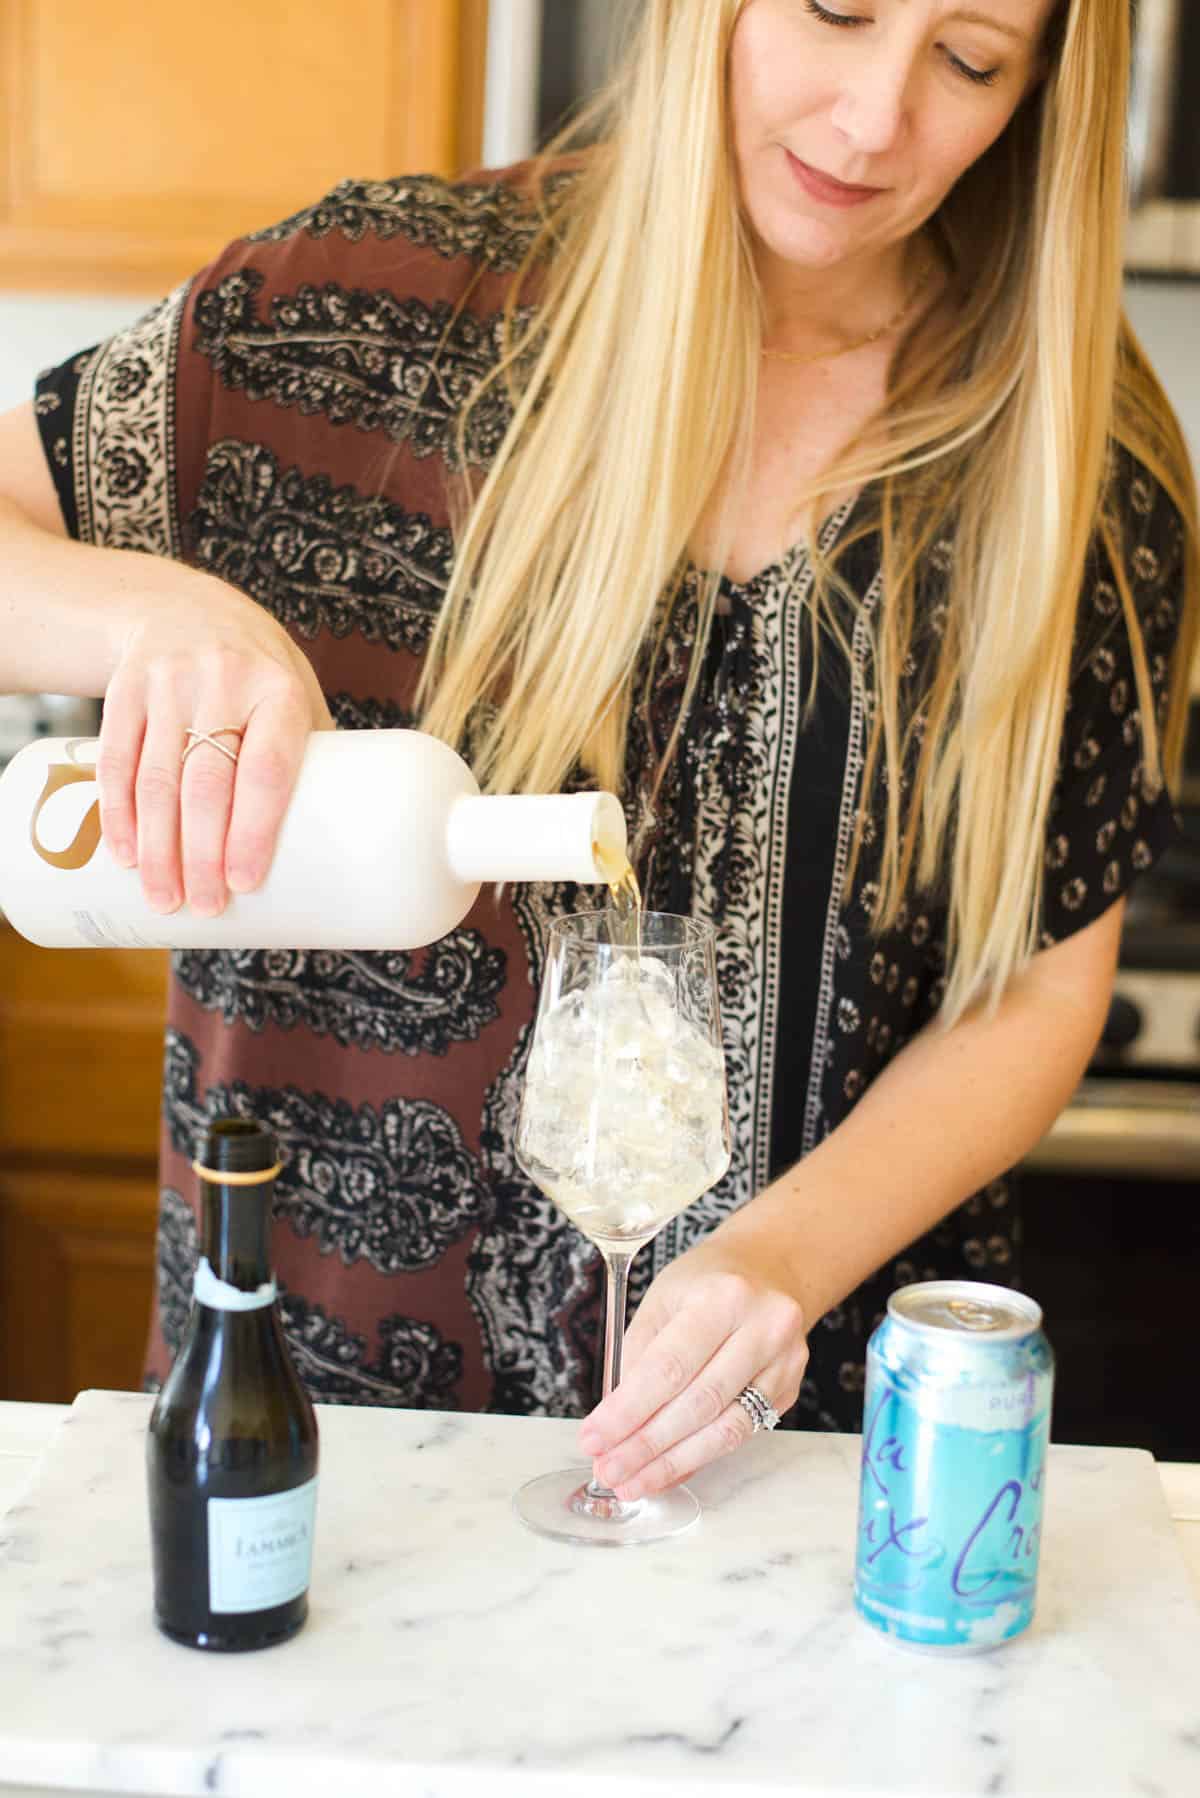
point(624, 1121)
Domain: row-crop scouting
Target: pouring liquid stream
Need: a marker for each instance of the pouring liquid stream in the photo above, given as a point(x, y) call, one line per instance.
point(625, 910)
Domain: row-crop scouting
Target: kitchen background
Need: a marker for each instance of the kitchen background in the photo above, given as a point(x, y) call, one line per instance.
point(124, 169)
point(544, 54)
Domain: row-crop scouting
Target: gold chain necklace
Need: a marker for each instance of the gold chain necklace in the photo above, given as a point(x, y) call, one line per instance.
point(860, 343)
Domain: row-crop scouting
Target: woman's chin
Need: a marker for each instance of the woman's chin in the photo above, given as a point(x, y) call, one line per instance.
point(808, 244)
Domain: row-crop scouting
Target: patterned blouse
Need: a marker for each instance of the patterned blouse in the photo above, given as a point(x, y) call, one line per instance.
point(287, 420)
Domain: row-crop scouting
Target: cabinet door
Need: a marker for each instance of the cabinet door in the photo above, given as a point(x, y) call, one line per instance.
point(76, 1279)
point(81, 1047)
point(135, 140)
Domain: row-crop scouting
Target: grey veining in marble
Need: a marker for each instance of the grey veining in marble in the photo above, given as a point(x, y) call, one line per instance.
point(449, 1651)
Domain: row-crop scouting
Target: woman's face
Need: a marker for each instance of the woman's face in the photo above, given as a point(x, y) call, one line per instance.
point(853, 120)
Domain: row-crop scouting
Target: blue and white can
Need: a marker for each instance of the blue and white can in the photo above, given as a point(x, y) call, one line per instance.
point(956, 1425)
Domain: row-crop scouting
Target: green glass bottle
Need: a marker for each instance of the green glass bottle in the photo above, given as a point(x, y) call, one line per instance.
point(231, 1452)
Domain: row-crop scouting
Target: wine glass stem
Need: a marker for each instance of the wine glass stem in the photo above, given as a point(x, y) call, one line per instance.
point(616, 1296)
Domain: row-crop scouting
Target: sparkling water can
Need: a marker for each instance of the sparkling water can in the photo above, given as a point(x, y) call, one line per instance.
point(956, 1425)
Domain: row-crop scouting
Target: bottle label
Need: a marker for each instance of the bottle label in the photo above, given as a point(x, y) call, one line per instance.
point(98, 930)
point(219, 1295)
point(71, 773)
point(260, 1549)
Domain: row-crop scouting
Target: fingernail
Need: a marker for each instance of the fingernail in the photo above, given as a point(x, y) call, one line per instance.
point(206, 905)
point(241, 880)
point(590, 1440)
point(123, 854)
point(162, 902)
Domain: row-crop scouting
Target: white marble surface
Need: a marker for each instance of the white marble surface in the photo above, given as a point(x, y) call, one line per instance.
point(449, 1651)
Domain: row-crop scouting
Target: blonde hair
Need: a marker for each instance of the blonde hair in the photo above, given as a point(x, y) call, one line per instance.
point(632, 391)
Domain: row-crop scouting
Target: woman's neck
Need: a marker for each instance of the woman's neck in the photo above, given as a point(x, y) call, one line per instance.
point(807, 310)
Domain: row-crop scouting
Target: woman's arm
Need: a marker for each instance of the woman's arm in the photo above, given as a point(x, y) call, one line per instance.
point(169, 648)
point(950, 1113)
point(52, 638)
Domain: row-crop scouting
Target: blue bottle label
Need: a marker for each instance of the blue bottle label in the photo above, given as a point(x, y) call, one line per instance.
point(260, 1549)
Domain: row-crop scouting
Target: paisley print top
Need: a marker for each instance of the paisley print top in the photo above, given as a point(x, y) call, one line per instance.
point(287, 420)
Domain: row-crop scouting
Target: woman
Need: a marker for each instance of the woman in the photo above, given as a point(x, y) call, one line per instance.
point(808, 488)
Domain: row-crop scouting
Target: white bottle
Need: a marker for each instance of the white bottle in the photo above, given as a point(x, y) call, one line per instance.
point(384, 845)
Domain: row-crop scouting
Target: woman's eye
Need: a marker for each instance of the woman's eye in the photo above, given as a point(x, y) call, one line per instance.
point(981, 77)
point(968, 71)
point(833, 18)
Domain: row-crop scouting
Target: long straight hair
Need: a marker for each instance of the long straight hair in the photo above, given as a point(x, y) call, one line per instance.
point(632, 387)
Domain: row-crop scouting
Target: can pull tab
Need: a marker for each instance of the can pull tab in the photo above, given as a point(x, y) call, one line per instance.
point(972, 1316)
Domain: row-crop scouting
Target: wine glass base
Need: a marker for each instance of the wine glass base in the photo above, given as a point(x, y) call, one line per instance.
point(559, 1504)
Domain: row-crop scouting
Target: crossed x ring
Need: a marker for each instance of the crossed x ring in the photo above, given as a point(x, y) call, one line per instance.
point(758, 1408)
point(196, 737)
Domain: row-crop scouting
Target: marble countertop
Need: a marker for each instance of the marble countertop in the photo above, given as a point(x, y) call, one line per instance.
point(450, 1652)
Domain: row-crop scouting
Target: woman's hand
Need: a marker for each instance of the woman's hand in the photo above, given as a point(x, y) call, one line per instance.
point(715, 1321)
point(202, 660)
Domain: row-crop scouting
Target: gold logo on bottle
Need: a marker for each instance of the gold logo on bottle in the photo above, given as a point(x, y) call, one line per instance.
point(70, 773)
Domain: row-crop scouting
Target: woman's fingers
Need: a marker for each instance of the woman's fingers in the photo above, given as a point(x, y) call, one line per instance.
point(649, 1318)
point(721, 1437)
point(206, 800)
point(667, 1368)
point(701, 1407)
point(697, 1342)
point(122, 728)
point(271, 753)
point(706, 1422)
point(228, 669)
point(156, 794)
point(200, 745)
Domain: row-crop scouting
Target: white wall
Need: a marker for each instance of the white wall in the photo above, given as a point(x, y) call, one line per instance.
point(1166, 316)
point(36, 331)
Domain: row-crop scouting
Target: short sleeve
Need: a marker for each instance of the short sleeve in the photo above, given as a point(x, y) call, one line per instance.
point(107, 423)
point(1111, 817)
point(309, 352)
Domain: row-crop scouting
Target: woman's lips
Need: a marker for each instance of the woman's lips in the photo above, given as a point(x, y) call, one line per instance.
point(826, 189)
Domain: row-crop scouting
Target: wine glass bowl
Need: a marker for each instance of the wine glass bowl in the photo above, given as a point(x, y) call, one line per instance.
point(624, 1122)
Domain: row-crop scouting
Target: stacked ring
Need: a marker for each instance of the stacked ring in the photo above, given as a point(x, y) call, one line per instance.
point(196, 737)
point(758, 1409)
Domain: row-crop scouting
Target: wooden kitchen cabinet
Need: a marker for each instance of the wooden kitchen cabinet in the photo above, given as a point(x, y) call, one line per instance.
point(136, 141)
point(81, 1044)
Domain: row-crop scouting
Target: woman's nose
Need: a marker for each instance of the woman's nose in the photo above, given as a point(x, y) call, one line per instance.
point(872, 107)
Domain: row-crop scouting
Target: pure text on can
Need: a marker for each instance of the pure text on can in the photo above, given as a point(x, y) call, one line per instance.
point(956, 1425)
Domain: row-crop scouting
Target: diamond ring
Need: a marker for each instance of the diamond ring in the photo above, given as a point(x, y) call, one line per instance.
point(758, 1409)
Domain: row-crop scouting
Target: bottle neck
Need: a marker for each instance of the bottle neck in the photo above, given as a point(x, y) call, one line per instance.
point(235, 1236)
point(556, 836)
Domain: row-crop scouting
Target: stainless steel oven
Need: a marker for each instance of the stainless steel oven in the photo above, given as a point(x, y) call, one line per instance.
point(1111, 1197)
